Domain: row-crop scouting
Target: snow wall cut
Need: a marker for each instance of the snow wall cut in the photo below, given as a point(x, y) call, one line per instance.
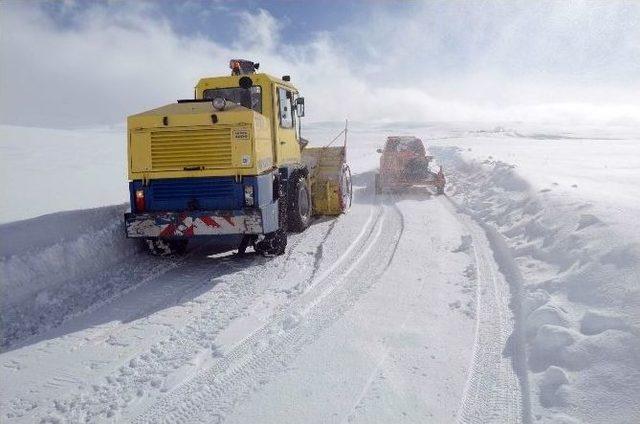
point(56, 264)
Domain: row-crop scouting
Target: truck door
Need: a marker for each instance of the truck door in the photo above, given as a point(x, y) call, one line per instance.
point(287, 147)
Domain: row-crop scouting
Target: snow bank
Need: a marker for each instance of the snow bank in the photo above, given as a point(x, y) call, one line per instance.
point(580, 277)
point(55, 265)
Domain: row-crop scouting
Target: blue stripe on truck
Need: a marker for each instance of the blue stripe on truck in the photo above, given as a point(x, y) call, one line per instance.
point(208, 193)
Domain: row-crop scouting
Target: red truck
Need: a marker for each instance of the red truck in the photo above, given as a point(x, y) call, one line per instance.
point(405, 163)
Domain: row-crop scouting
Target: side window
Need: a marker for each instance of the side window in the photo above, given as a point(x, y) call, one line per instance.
point(285, 110)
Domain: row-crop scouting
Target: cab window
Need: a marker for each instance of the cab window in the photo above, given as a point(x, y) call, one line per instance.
point(250, 98)
point(285, 111)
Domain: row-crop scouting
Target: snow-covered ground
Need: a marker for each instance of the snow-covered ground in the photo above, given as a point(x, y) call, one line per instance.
point(515, 298)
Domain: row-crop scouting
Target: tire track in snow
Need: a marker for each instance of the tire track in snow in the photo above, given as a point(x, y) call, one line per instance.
point(494, 391)
point(292, 246)
point(153, 369)
point(214, 392)
point(227, 370)
point(143, 373)
point(176, 263)
point(385, 355)
point(156, 269)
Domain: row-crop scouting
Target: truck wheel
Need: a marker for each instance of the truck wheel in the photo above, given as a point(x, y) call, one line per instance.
point(163, 247)
point(346, 188)
point(273, 244)
point(299, 213)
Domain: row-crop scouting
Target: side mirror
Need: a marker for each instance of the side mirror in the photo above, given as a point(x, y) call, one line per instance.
point(379, 150)
point(300, 106)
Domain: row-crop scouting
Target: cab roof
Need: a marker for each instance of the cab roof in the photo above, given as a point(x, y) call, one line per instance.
point(187, 108)
point(233, 81)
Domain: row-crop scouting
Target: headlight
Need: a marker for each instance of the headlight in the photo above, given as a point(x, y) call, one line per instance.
point(219, 103)
point(248, 195)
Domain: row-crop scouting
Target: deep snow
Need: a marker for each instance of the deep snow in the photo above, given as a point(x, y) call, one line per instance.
point(578, 264)
point(523, 287)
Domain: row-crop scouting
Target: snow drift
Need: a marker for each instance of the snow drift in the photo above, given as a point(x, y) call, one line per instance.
point(57, 264)
point(580, 304)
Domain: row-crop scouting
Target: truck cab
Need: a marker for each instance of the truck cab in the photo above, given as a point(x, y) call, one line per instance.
point(227, 162)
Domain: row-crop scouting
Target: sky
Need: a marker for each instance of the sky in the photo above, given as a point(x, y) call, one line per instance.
point(67, 64)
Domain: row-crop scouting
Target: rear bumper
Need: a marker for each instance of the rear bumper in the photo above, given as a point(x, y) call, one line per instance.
point(201, 223)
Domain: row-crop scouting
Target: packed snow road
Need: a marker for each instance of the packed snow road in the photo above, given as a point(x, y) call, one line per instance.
point(394, 312)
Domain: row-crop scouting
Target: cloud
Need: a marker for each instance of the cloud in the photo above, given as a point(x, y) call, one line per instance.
point(260, 31)
point(97, 70)
point(453, 61)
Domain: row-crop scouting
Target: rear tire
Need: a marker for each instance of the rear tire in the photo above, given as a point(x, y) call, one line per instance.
point(299, 210)
point(273, 244)
point(165, 247)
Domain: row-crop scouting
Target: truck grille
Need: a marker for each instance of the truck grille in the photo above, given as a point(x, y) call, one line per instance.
point(191, 149)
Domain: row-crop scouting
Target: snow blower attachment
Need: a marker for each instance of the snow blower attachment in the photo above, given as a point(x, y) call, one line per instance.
point(405, 163)
point(230, 164)
point(331, 188)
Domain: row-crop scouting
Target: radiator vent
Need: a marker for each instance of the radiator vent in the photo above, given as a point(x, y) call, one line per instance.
point(187, 149)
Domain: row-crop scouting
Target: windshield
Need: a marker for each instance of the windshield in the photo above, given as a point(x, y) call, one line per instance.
point(250, 98)
point(400, 144)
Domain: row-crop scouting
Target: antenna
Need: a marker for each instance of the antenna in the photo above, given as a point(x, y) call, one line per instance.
point(346, 130)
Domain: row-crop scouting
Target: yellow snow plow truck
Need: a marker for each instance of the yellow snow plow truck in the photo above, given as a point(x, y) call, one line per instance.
point(230, 163)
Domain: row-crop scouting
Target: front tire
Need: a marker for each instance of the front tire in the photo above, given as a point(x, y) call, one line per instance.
point(346, 188)
point(299, 210)
point(275, 243)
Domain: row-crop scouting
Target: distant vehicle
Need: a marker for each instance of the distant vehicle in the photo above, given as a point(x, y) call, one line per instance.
point(231, 161)
point(405, 163)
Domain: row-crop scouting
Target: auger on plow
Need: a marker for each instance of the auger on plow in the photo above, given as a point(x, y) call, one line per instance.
point(231, 163)
point(405, 163)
